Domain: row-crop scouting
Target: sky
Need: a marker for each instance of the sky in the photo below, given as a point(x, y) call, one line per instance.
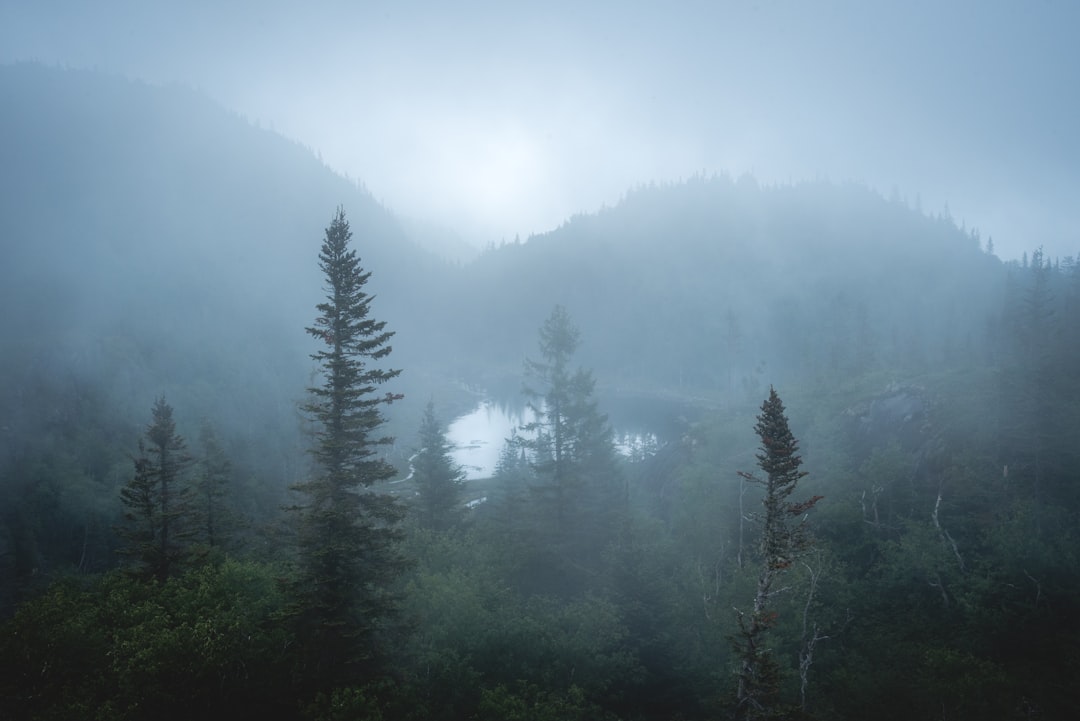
point(501, 119)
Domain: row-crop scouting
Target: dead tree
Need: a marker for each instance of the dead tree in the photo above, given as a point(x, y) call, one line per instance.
point(783, 538)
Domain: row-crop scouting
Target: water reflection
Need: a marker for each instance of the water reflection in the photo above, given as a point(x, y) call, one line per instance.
point(478, 436)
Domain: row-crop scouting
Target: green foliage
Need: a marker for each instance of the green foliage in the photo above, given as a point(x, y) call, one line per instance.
point(945, 584)
point(577, 494)
point(158, 499)
point(203, 644)
point(474, 632)
point(438, 479)
point(505, 513)
point(213, 486)
point(527, 702)
point(352, 703)
point(783, 539)
point(486, 629)
point(52, 653)
point(666, 286)
point(348, 532)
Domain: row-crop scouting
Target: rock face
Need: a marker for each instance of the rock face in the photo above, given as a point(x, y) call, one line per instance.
point(900, 413)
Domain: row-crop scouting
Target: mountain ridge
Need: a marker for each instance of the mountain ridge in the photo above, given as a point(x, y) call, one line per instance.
point(205, 226)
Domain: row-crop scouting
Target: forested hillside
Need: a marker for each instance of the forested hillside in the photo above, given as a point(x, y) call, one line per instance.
point(193, 397)
point(129, 206)
point(698, 285)
point(155, 244)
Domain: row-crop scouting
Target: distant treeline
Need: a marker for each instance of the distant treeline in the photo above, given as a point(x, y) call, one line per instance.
point(160, 253)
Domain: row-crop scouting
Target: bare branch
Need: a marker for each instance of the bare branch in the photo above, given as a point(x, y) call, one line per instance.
point(945, 537)
point(1038, 586)
point(806, 654)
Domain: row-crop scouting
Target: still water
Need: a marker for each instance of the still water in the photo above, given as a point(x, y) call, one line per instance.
point(640, 426)
point(478, 436)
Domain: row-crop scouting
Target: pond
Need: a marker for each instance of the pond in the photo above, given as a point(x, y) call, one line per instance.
point(641, 425)
point(478, 436)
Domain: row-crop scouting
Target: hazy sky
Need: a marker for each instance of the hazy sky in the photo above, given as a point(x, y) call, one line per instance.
point(497, 119)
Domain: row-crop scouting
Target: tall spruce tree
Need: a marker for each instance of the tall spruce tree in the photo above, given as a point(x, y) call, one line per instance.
point(348, 533)
point(212, 484)
point(573, 452)
point(157, 500)
point(783, 538)
point(439, 480)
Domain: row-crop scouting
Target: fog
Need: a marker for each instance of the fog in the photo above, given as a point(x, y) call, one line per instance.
point(223, 496)
point(497, 121)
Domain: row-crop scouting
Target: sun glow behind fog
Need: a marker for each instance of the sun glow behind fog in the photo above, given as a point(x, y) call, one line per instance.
point(490, 176)
point(484, 171)
point(492, 120)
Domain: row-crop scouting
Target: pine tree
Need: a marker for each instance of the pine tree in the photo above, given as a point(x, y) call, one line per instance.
point(212, 486)
point(348, 533)
point(157, 500)
point(439, 480)
point(139, 497)
point(571, 442)
point(505, 509)
point(1032, 382)
point(783, 538)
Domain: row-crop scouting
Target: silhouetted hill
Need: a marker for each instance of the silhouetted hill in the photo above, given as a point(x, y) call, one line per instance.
point(712, 283)
point(154, 243)
point(163, 189)
point(150, 213)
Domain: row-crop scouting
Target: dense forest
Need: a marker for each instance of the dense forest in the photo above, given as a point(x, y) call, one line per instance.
point(226, 489)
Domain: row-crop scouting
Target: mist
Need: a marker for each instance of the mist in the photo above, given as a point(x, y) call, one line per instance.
point(473, 362)
point(499, 122)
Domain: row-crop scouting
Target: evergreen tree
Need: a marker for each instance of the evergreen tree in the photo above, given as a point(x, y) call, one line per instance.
point(1035, 425)
point(503, 513)
point(139, 497)
point(1036, 388)
point(348, 532)
point(212, 486)
point(573, 453)
point(157, 499)
point(783, 538)
point(439, 480)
